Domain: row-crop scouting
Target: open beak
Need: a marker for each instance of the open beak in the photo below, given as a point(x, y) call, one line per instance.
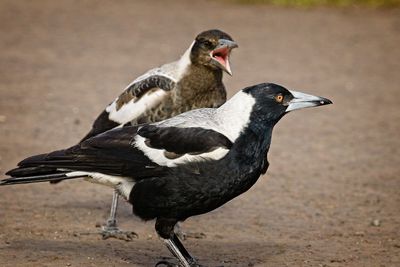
point(302, 100)
point(221, 54)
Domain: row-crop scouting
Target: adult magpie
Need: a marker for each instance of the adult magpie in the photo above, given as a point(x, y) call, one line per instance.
point(180, 167)
point(194, 81)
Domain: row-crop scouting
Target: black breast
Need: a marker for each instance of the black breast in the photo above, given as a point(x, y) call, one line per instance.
point(197, 188)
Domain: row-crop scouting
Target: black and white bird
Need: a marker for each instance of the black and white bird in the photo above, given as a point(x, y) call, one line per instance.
point(193, 81)
point(180, 167)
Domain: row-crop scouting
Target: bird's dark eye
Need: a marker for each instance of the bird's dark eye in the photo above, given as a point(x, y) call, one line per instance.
point(208, 44)
point(279, 98)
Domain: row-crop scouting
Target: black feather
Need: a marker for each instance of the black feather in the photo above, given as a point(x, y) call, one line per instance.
point(100, 125)
point(38, 179)
point(112, 152)
point(199, 187)
point(142, 87)
point(194, 140)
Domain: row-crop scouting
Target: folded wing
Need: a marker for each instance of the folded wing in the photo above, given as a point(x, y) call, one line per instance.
point(132, 151)
point(141, 95)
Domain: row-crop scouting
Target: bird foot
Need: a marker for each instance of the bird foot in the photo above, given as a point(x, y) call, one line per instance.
point(114, 232)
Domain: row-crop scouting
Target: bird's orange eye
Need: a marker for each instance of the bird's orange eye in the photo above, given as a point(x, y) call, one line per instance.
point(279, 98)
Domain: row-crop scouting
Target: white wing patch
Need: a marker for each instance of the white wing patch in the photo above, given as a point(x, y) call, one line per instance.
point(157, 155)
point(132, 109)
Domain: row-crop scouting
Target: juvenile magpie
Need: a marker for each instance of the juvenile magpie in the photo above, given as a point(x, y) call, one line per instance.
point(194, 81)
point(180, 167)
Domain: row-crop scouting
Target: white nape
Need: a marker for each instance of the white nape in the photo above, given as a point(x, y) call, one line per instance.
point(184, 62)
point(230, 119)
point(234, 116)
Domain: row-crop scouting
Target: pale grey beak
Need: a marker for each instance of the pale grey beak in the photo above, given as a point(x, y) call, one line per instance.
point(227, 43)
point(302, 100)
point(221, 54)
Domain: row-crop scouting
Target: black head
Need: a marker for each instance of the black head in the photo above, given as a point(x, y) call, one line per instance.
point(273, 101)
point(212, 49)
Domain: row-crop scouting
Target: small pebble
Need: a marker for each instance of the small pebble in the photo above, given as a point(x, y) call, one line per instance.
point(3, 118)
point(376, 223)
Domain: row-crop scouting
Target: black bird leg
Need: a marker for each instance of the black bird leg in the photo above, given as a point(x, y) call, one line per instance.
point(180, 253)
point(165, 229)
point(110, 229)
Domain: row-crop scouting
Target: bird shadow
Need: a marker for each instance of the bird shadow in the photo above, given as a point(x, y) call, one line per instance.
point(149, 252)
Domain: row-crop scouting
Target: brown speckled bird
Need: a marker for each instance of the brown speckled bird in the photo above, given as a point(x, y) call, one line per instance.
point(193, 81)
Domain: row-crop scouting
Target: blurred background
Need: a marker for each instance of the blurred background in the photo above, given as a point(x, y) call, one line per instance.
point(330, 3)
point(331, 194)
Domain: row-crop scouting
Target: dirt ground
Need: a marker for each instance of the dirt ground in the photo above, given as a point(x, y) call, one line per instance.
point(331, 196)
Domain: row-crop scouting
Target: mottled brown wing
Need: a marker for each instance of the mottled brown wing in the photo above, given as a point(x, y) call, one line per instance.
point(134, 101)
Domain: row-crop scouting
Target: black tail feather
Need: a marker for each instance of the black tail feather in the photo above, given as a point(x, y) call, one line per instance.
point(31, 171)
point(38, 179)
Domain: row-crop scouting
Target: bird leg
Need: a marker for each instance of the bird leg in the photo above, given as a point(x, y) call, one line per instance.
point(165, 229)
point(110, 229)
point(112, 221)
point(178, 250)
point(121, 187)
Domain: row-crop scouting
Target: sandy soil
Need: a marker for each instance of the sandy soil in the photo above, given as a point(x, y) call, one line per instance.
point(334, 171)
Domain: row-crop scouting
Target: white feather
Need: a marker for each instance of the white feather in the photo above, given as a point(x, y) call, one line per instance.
point(234, 116)
point(124, 185)
point(132, 110)
point(184, 62)
point(157, 155)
